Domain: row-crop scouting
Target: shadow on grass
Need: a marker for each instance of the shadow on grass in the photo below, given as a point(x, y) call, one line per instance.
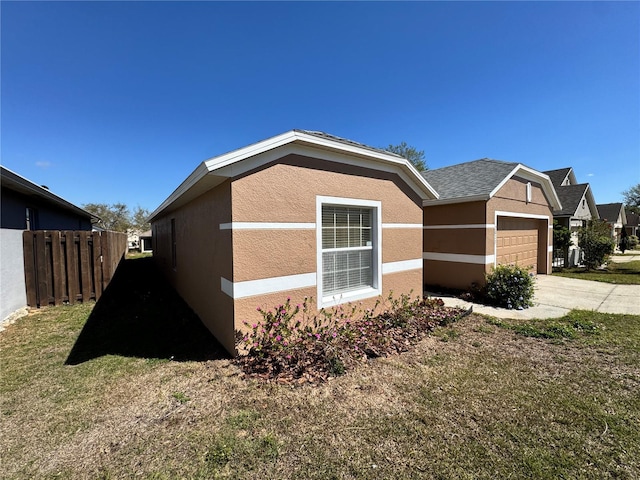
point(141, 315)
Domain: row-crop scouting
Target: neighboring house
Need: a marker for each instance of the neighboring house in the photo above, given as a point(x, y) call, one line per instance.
point(145, 242)
point(578, 207)
point(27, 206)
point(633, 223)
point(615, 216)
point(133, 239)
point(302, 214)
point(488, 212)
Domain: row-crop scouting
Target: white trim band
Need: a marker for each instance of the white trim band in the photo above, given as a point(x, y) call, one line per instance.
point(250, 288)
point(267, 226)
point(471, 225)
point(401, 225)
point(401, 266)
point(459, 258)
point(521, 215)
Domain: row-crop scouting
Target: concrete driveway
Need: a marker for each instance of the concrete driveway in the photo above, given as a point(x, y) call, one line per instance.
point(556, 296)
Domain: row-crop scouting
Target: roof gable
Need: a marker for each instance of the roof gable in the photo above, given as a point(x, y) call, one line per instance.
point(562, 177)
point(571, 197)
point(481, 180)
point(216, 170)
point(612, 213)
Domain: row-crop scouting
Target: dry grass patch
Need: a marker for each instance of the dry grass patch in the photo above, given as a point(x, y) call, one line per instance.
point(472, 401)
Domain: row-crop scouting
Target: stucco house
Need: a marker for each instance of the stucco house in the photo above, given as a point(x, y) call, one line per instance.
point(615, 216)
point(301, 214)
point(489, 212)
point(25, 205)
point(578, 207)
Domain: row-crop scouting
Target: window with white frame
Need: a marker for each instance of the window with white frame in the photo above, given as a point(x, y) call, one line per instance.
point(349, 246)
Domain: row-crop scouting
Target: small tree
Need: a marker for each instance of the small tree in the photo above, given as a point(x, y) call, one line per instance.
point(624, 240)
point(632, 198)
point(562, 240)
point(596, 243)
point(416, 157)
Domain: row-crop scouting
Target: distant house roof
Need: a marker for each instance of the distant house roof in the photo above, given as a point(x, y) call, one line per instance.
point(633, 219)
point(610, 212)
point(571, 196)
point(214, 171)
point(481, 179)
point(559, 176)
point(12, 181)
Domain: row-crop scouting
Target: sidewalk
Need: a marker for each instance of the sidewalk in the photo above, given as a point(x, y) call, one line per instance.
point(557, 296)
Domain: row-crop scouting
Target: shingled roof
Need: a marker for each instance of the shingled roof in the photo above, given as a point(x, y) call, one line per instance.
point(610, 212)
point(570, 197)
point(481, 179)
point(470, 179)
point(558, 176)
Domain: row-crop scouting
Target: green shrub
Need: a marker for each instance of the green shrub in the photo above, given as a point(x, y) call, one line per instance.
point(510, 286)
point(292, 343)
point(632, 241)
point(596, 243)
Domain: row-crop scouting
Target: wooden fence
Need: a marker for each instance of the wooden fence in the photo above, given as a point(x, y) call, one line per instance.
point(70, 266)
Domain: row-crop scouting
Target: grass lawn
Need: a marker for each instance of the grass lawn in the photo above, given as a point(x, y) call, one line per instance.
point(627, 273)
point(475, 400)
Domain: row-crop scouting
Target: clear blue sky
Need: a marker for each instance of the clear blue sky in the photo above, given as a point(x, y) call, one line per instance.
point(118, 102)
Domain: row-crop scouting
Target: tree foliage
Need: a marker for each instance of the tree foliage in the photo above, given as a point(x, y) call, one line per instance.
point(415, 156)
point(117, 217)
point(632, 198)
point(596, 243)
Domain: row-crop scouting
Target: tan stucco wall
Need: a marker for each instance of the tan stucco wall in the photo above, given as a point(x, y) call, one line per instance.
point(203, 254)
point(456, 214)
point(471, 241)
point(280, 192)
point(398, 283)
point(285, 191)
point(512, 198)
point(453, 274)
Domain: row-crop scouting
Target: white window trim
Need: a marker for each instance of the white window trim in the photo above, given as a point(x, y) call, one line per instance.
point(363, 293)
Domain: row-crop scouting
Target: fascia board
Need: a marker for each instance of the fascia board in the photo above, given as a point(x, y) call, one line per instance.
point(421, 187)
point(591, 201)
point(259, 152)
point(532, 175)
point(623, 215)
point(244, 159)
point(197, 175)
point(449, 201)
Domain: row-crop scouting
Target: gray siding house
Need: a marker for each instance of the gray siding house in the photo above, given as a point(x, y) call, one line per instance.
point(25, 205)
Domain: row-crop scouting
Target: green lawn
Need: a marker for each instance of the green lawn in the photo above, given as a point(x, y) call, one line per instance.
point(478, 399)
point(621, 273)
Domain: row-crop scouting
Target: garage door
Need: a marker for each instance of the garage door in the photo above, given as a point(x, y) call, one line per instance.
point(517, 242)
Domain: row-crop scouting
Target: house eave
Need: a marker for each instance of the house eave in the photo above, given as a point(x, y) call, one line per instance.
point(449, 201)
point(215, 170)
point(18, 183)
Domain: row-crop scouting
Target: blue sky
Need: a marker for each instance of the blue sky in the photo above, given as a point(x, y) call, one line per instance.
point(110, 102)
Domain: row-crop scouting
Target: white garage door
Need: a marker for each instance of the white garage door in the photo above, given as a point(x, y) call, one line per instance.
point(517, 242)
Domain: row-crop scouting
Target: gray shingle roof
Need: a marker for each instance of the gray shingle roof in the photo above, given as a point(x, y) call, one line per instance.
point(609, 211)
point(570, 196)
point(346, 141)
point(558, 176)
point(470, 179)
point(633, 219)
